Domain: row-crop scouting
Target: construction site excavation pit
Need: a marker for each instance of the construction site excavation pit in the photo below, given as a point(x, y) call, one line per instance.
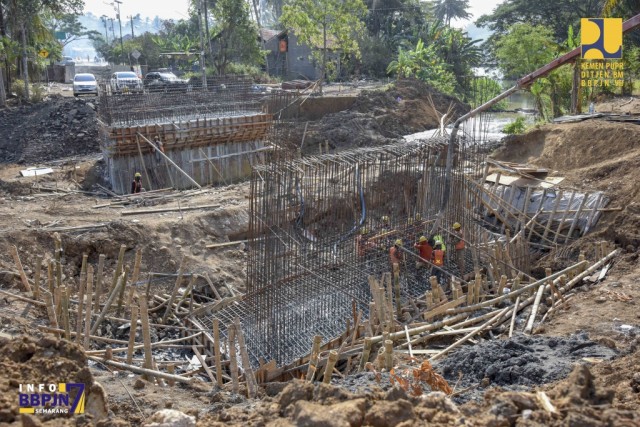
point(271, 298)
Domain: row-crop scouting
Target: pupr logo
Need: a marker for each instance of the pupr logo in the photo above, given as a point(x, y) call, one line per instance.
point(601, 38)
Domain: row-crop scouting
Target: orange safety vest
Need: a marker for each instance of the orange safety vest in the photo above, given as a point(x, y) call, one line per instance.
point(460, 244)
point(394, 255)
point(438, 257)
point(425, 249)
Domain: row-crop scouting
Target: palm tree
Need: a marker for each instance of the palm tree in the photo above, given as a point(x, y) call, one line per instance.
point(446, 10)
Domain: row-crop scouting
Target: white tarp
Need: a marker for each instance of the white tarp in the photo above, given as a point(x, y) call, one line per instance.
point(569, 201)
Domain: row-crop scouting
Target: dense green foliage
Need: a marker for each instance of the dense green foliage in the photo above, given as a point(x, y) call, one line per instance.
point(324, 25)
point(516, 127)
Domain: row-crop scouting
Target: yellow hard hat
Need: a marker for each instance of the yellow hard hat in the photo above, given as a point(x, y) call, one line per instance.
point(398, 242)
point(363, 230)
point(423, 239)
point(418, 217)
point(456, 225)
point(385, 218)
point(438, 242)
point(138, 174)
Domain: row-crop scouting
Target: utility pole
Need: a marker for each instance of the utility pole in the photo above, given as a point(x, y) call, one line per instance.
point(201, 30)
point(118, 2)
point(113, 32)
point(104, 19)
point(132, 35)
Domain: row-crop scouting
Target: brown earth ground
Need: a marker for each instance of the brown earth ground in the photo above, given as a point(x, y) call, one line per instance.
point(592, 154)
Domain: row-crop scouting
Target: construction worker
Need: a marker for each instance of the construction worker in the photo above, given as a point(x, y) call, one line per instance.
point(386, 226)
point(136, 184)
point(459, 247)
point(437, 258)
point(425, 250)
point(395, 253)
point(158, 147)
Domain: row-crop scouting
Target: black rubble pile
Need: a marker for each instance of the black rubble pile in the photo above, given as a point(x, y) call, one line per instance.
point(54, 129)
point(522, 361)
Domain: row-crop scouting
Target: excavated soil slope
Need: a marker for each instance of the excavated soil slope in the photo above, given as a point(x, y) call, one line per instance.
point(380, 117)
point(54, 129)
point(592, 155)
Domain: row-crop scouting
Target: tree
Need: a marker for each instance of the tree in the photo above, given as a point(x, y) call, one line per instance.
point(554, 14)
point(23, 21)
point(234, 36)
point(68, 23)
point(524, 49)
point(446, 10)
point(319, 23)
point(424, 63)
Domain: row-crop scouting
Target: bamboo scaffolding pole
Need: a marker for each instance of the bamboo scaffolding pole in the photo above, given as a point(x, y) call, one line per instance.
point(132, 333)
point(112, 296)
point(81, 290)
point(99, 280)
point(23, 277)
point(171, 161)
point(470, 335)
point(87, 317)
point(233, 366)
point(143, 371)
point(216, 349)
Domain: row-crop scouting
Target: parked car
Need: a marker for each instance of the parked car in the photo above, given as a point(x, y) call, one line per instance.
point(85, 84)
point(125, 81)
point(66, 60)
point(163, 80)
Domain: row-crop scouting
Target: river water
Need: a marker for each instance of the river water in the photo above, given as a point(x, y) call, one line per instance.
point(489, 126)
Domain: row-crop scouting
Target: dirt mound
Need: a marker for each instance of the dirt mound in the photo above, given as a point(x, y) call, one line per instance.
point(46, 360)
point(53, 129)
point(521, 361)
point(592, 155)
point(379, 117)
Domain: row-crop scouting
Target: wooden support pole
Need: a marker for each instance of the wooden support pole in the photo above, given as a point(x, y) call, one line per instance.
point(388, 355)
point(365, 354)
point(172, 162)
point(65, 312)
point(252, 384)
point(118, 270)
point(23, 277)
point(217, 352)
point(87, 316)
point(331, 363)
point(470, 335)
point(202, 361)
point(513, 317)
point(107, 305)
point(174, 292)
point(313, 357)
point(132, 333)
point(99, 282)
point(122, 292)
point(50, 282)
point(81, 290)
point(144, 167)
point(146, 333)
point(143, 371)
point(396, 288)
point(233, 361)
point(36, 278)
point(51, 310)
point(534, 310)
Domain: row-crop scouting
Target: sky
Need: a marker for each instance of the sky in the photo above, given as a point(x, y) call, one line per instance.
point(177, 9)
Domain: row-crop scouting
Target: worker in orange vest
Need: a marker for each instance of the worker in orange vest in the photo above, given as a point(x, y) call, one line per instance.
point(395, 253)
point(425, 250)
point(437, 259)
point(459, 247)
